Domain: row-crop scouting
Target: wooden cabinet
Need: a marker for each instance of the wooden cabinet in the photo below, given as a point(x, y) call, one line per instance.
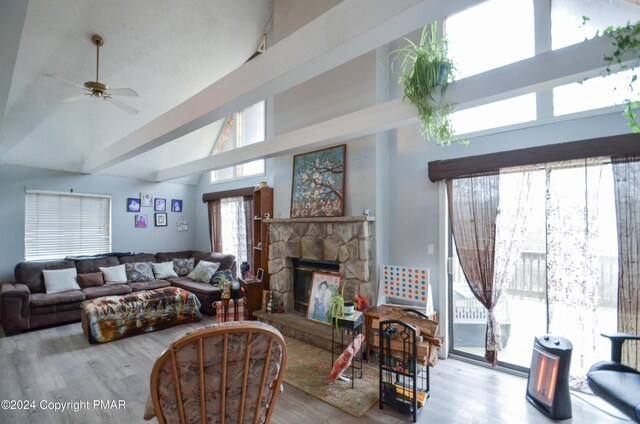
point(262, 205)
point(253, 292)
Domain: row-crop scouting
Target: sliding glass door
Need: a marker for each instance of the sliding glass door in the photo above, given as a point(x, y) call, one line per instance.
point(563, 279)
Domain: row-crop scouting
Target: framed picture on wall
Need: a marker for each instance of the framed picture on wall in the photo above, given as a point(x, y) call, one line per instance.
point(133, 204)
point(323, 287)
point(318, 183)
point(159, 205)
point(176, 205)
point(146, 200)
point(161, 219)
point(142, 221)
point(260, 274)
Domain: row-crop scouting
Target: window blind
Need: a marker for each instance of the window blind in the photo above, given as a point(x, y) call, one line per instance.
point(66, 224)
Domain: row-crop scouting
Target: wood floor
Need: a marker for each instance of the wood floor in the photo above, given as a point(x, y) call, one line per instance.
point(59, 365)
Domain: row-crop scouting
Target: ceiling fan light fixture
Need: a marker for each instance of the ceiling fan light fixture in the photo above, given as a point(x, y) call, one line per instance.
point(99, 90)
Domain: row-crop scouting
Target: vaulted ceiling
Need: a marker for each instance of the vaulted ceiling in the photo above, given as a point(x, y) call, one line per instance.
point(165, 50)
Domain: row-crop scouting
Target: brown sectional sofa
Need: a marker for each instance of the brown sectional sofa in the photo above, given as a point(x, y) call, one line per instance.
point(25, 305)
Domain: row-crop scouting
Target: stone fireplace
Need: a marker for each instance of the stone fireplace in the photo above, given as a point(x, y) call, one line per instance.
point(349, 241)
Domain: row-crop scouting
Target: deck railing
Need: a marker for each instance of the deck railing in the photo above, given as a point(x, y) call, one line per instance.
point(530, 278)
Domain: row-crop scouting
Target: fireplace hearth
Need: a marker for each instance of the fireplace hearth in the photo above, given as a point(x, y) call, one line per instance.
point(347, 243)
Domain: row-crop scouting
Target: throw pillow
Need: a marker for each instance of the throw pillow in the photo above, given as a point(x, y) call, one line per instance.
point(204, 271)
point(93, 279)
point(221, 276)
point(60, 280)
point(114, 274)
point(163, 270)
point(139, 271)
point(183, 267)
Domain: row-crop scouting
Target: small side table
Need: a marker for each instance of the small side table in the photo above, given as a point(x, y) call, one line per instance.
point(350, 326)
point(253, 292)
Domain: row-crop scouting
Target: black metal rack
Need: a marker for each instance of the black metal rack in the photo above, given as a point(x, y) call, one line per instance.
point(404, 381)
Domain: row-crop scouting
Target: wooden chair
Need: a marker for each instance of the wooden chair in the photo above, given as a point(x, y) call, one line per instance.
point(225, 373)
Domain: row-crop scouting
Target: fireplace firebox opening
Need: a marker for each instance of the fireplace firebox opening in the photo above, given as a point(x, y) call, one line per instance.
point(302, 272)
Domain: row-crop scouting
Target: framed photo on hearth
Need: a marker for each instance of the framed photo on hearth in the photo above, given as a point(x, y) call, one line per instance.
point(318, 183)
point(323, 287)
point(161, 219)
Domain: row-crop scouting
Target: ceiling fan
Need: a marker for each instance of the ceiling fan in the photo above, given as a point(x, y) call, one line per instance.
point(100, 90)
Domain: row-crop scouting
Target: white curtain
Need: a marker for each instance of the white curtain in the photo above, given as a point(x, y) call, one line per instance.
point(234, 228)
point(577, 230)
point(514, 209)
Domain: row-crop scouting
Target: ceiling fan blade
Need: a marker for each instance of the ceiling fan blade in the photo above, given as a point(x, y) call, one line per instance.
point(75, 98)
point(122, 106)
point(64, 80)
point(122, 92)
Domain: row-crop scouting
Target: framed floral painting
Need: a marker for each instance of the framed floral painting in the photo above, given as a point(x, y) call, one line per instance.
point(318, 183)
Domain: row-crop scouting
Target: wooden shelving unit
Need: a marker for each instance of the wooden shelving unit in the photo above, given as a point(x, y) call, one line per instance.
point(262, 204)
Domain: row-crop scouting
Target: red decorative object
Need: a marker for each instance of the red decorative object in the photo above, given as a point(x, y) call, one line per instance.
point(362, 303)
point(344, 360)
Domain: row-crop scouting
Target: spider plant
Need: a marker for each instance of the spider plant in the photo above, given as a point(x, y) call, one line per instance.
point(426, 71)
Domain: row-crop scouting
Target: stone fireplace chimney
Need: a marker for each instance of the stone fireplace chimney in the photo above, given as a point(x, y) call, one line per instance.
point(348, 240)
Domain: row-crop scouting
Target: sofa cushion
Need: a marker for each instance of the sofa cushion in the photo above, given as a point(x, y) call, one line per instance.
point(163, 270)
point(139, 271)
point(88, 266)
point(140, 257)
point(114, 274)
point(30, 273)
point(93, 279)
point(194, 286)
point(149, 285)
point(106, 290)
point(60, 280)
point(225, 260)
point(53, 311)
point(204, 271)
point(169, 256)
point(219, 276)
point(182, 266)
point(44, 299)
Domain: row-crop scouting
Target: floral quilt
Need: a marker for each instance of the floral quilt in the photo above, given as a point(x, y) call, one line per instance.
point(113, 317)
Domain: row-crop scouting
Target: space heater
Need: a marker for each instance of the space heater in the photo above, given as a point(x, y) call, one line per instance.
point(548, 384)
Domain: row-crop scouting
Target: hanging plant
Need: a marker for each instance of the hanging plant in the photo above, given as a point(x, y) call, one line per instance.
point(426, 71)
point(626, 40)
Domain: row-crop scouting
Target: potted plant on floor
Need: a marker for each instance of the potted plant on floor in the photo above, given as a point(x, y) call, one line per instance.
point(426, 71)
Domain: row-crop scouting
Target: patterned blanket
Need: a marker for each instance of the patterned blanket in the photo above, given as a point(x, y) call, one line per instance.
point(113, 317)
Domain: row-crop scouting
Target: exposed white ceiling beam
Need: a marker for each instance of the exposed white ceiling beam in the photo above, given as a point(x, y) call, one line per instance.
point(12, 16)
point(538, 73)
point(350, 29)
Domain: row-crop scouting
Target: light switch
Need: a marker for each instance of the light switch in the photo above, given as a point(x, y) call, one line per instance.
point(431, 249)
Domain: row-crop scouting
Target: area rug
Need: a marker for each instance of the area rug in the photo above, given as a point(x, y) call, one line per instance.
point(307, 370)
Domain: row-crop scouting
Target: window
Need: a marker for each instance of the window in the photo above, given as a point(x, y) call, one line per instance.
point(242, 129)
point(477, 43)
point(233, 213)
point(567, 29)
point(65, 224)
point(565, 276)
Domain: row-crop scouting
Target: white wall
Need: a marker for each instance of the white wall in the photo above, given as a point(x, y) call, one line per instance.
point(14, 180)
